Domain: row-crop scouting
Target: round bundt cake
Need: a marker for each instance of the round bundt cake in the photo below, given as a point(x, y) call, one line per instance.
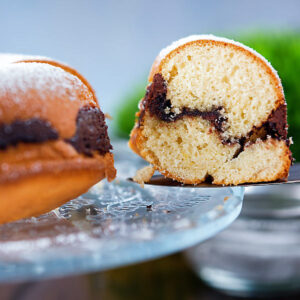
point(214, 111)
point(53, 136)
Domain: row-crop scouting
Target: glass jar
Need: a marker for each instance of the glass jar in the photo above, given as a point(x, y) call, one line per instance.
point(259, 254)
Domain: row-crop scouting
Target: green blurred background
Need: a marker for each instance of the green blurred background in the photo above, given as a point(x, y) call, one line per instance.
point(282, 49)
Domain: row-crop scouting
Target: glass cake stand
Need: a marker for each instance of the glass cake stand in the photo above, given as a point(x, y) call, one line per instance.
point(115, 224)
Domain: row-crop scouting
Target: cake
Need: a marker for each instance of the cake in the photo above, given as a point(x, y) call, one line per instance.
point(53, 136)
point(214, 111)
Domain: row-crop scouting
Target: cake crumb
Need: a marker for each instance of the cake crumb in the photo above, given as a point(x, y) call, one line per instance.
point(108, 116)
point(144, 175)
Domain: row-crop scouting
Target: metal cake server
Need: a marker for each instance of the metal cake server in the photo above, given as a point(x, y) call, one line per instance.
point(294, 177)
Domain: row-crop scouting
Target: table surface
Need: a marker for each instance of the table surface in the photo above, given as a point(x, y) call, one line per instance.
point(166, 278)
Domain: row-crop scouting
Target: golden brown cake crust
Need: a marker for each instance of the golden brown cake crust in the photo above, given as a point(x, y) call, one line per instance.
point(26, 197)
point(28, 159)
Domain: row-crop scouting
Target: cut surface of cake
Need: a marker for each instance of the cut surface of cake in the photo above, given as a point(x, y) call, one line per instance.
point(214, 110)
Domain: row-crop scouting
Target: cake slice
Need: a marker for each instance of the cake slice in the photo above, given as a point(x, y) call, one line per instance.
point(214, 111)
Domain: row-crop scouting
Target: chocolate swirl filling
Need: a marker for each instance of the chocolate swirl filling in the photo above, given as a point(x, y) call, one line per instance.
point(91, 132)
point(30, 131)
point(157, 104)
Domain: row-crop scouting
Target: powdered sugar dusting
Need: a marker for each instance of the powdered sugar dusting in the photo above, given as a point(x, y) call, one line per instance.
point(19, 79)
point(9, 58)
point(212, 37)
